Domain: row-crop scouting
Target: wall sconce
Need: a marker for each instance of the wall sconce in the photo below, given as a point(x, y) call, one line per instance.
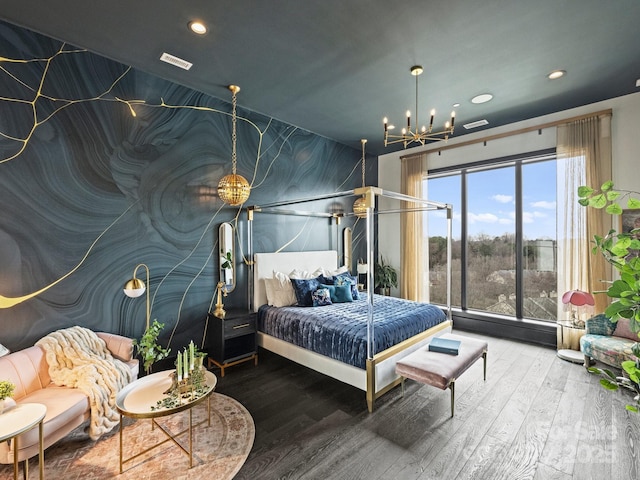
point(135, 287)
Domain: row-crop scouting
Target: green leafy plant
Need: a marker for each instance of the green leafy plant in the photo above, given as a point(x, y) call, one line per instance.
point(147, 347)
point(385, 276)
point(227, 260)
point(622, 250)
point(6, 389)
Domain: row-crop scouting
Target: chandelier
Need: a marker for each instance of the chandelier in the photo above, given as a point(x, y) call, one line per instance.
point(421, 134)
point(233, 189)
point(360, 205)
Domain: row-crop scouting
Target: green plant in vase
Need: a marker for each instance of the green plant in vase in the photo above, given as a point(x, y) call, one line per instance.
point(6, 390)
point(147, 347)
point(622, 251)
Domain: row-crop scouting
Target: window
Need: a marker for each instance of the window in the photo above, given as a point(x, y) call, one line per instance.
point(504, 237)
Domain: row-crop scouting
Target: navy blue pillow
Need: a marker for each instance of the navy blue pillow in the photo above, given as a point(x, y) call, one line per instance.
point(304, 290)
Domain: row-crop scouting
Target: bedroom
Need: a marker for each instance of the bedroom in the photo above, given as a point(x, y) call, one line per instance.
point(85, 193)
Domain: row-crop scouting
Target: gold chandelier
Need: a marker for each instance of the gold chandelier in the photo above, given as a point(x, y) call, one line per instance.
point(233, 189)
point(360, 205)
point(419, 135)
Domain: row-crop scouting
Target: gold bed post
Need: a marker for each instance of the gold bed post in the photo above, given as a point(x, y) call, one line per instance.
point(371, 384)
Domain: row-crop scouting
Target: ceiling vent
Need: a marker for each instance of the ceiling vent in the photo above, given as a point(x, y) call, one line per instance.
point(178, 62)
point(479, 123)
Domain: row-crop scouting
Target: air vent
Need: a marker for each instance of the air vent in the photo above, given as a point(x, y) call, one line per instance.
point(477, 124)
point(178, 62)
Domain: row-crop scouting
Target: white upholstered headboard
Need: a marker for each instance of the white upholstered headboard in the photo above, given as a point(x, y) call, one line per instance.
point(285, 262)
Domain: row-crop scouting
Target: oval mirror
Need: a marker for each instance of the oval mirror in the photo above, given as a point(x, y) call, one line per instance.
point(346, 241)
point(227, 256)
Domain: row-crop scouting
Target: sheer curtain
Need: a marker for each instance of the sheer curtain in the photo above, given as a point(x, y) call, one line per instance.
point(584, 158)
point(412, 281)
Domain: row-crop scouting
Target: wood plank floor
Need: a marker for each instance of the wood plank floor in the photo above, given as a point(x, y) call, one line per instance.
point(536, 417)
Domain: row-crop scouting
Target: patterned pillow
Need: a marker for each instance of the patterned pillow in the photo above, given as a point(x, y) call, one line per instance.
point(321, 297)
point(304, 289)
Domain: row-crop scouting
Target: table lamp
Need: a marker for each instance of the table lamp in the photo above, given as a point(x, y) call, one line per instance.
point(578, 303)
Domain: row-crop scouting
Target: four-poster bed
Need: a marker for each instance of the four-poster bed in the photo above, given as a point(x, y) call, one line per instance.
point(380, 337)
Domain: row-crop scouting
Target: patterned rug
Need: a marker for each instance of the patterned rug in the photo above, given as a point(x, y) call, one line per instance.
point(219, 450)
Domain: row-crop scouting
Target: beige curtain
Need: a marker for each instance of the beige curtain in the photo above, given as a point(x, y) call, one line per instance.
point(584, 158)
point(411, 241)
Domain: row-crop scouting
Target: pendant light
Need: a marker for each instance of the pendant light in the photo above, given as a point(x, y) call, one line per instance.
point(360, 205)
point(233, 189)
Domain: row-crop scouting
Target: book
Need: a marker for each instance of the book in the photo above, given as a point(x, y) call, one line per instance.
point(444, 345)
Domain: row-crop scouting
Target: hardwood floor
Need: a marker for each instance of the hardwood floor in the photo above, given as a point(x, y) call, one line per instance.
point(536, 417)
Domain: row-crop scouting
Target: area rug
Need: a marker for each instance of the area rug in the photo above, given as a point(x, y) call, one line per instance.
point(219, 450)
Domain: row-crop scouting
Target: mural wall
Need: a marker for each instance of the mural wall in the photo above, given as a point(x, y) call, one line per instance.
point(103, 167)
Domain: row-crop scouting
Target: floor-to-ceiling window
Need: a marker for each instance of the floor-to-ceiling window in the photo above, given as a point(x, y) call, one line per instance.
point(504, 236)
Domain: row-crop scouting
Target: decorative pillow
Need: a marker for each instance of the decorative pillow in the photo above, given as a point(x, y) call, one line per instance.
point(303, 289)
point(332, 273)
point(339, 293)
point(279, 295)
point(321, 297)
point(623, 329)
point(347, 279)
point(295, 273)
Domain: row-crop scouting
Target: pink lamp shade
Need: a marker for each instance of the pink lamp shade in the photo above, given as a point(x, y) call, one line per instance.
point(578, 298)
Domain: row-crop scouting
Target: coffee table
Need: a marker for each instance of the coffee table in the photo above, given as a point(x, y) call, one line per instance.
point(137, 399)
point(23, 417)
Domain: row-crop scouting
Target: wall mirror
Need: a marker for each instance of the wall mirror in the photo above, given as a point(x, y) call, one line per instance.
point(227, 255)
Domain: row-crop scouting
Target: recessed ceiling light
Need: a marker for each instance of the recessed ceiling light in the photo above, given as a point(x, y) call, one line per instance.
point(456, 105)
point(482, 98)
point(198, 27)
point(556, 74)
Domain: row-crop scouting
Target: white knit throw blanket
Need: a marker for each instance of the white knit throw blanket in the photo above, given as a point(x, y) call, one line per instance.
point(78, 358)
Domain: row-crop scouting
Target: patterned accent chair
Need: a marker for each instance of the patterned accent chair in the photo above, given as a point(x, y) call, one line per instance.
point(607, 342)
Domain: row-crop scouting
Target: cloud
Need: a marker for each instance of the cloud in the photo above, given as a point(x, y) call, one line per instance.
point(544, 204)
point(482, 218)
point(503, 198)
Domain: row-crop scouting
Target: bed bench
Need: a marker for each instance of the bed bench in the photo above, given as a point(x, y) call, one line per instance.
point(442, 369)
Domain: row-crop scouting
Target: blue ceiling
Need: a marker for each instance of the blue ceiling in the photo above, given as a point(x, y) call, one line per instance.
point(337, 67)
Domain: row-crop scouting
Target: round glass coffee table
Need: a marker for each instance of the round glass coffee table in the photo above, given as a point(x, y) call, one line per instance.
point(140, 399)
point(23, 417)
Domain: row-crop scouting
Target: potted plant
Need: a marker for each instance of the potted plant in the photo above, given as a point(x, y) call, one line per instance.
point(622, 250)
point(385, 277)
point(6, 390)
point(147, 347)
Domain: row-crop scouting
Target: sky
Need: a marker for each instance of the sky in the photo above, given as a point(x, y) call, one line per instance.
point(491, 198)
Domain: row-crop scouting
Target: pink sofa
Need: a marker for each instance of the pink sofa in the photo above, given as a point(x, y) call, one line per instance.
point(67, 408)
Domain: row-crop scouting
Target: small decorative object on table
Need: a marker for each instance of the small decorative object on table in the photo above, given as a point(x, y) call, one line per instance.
point(188, 380)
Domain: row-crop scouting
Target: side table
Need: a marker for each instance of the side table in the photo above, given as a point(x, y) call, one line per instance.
point(231, 340)
point(139, 400)
point(23, 417)
point(568, 341)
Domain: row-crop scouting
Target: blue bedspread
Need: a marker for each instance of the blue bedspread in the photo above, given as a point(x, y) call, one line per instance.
point(339, 331)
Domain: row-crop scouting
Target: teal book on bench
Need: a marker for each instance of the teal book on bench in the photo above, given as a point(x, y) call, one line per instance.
point(444, 345)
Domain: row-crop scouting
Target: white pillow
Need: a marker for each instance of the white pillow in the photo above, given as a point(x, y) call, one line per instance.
point(333, 273)
point(279, 295)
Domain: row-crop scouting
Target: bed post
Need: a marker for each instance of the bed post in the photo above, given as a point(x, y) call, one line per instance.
point(449, 256)
point(250, 259)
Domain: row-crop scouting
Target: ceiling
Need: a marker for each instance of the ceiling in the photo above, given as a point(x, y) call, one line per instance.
point(337, 67)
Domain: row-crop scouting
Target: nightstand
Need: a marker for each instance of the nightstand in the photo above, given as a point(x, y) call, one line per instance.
point(231, 340)
point(568, 336)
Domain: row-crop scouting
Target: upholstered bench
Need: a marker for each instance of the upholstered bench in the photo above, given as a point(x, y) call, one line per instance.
point(442, 369)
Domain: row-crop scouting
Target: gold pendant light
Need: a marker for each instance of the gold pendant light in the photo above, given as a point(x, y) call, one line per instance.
point(233, 189)
point(360, 205)
point(418, 135)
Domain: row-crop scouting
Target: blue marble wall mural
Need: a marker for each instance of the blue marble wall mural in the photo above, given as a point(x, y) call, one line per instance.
point(103, 167)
